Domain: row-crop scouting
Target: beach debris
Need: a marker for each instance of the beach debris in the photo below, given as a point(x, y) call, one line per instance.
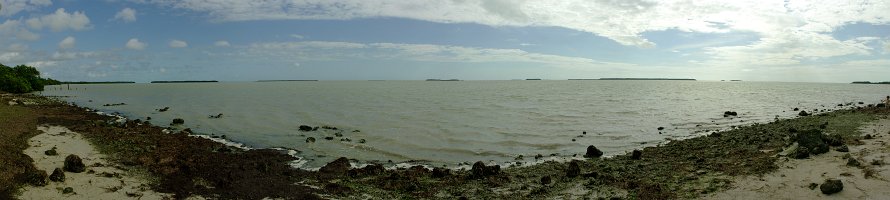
point(593, 152)
point(217, 116)
point(37, 178)
point(479, 170)
point(58, 175)
point(545, 180)
point(573, 170)
point(337, 167)
point(831, 186)
point(310, 140)
point(51, 152)
point(636, 154)
point(842, 148)
point(440, 172)
point(165, 109)
point(73, 163)
point(803, 113)
point(305, 128)
point(730, 113)
point(68, 190)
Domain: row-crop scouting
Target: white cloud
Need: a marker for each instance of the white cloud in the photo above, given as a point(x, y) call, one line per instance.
point(60, 21)
point(18, 47)
point(135, 44)
point(886, 45)
point(221, 43)
point(297, 36)
point(178, 44)
point(16, 29)
point(42, 64)
point(67, 43)
point(8, 57)
point(126, 15)
point(12, 7)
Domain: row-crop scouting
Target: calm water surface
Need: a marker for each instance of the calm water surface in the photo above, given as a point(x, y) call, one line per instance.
point(453, 122)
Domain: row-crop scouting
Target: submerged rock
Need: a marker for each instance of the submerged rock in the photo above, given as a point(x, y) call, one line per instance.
point(593, 152)
point(58, 175)
point(660, 128)
point(73, 163)
point(310, 140)
point(831, 186)
point(305, 128)
point(803, 113)
point(730, 113)
point(178, 121)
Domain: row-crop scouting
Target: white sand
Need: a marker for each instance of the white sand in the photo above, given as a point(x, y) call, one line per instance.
point(793, 177)
point(86, 185)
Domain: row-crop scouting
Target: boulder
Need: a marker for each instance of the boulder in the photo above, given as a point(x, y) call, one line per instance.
point(831, 186)
point(73, 163)
point(439, 172)
point(479, 170)
point(305, 128)
point(337, 167)
point(812, 139)
point(593, 152)
point(636, 154)
point(573, 170)
point(58, 175)
point(730, 113)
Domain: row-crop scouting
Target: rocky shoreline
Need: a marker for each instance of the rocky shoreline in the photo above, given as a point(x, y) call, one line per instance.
point(197, 166)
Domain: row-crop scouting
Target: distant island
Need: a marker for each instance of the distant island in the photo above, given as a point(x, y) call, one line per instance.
point(432, 79)
point(211, 81)
point(636, 79)
point(99, 82)
point(869, 82)
point(532, 79)
point(283, 80)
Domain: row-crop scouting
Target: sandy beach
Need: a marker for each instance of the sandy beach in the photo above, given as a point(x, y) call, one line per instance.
point(794, 177)
point(101, 180)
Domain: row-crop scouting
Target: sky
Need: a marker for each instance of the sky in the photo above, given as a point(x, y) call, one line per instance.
point(242, 40)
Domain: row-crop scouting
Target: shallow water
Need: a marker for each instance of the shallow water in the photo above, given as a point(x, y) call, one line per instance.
point(453, 122)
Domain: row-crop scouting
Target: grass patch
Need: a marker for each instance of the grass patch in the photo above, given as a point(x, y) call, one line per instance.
point(17, 125)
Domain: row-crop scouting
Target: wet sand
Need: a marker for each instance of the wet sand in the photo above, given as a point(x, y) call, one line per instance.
point(101, 180)
point(794, 177)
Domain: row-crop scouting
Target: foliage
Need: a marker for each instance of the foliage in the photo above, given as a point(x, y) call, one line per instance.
point(22, 79)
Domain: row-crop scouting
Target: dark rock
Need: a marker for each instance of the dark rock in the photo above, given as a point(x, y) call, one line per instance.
point(329, 138)
point(51, 152)
point(812, 140)
point(147, 118)
point(839, 105)
point(833, 140)
point(68, 190)
point(573, 170)
point(660, 128)
point(584, 132)
point(545, 180)
point(831, 186)
point(539, 156)
point(868, 137)
point(362, 141)
point(36, 178)
point(593, 152)
point(796, 109)
point(58, 175)
point(803, 113)
point(73, 163)
point(439, 172)
point(337, 167)
point(843, 148)
point(813, 186)
point(305, 128)
point(860, 103)
point(177, 121)
point(801, 153)
point(310, 140)
point(164, 109)
point(479, 170)
point(338, 134)
point(636, 154)
point(879, 105)
point(853, 162)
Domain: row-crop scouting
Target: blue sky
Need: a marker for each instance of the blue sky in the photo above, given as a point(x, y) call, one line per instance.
point(237, 40)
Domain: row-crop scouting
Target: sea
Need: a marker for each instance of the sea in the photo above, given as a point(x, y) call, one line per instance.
point(454, 123)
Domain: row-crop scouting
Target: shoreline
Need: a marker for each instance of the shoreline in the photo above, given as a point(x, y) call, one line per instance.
point(652, 175)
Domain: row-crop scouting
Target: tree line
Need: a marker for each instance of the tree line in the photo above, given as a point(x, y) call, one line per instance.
point(22, 79)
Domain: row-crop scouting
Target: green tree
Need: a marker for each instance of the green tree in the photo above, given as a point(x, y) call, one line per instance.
point(22, 79)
